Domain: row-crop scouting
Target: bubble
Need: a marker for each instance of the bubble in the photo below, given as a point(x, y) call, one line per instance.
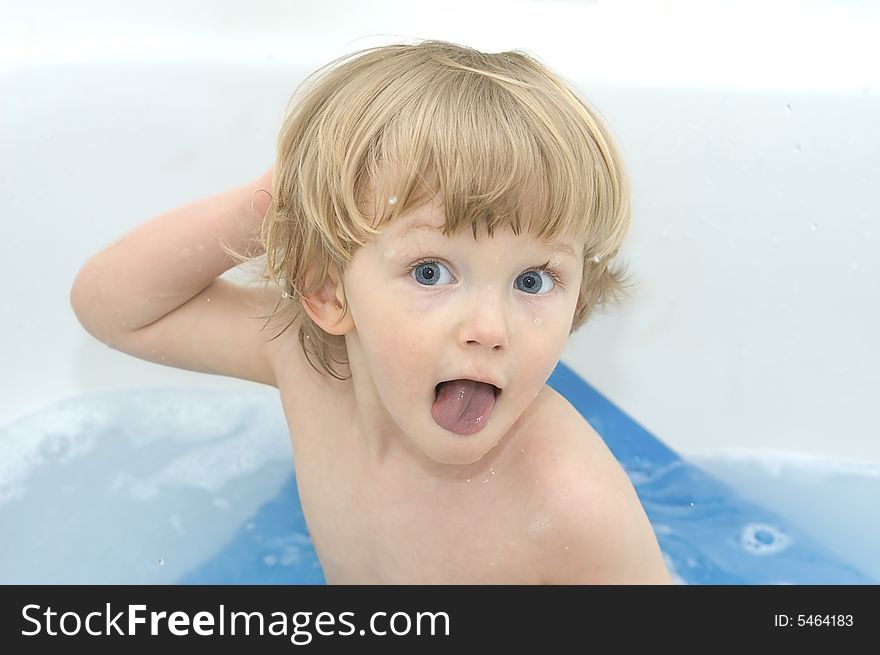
point(763, 539)
point(55, 446)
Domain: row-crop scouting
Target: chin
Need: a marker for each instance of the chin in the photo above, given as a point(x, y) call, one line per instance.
point(458, 451)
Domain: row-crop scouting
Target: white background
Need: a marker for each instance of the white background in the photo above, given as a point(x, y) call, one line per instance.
point(750, 131)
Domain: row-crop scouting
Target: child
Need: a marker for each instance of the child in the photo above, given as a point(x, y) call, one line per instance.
point(437, 222)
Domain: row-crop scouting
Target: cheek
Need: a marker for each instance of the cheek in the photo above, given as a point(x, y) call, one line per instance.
point(544, 337)
point(397, 339)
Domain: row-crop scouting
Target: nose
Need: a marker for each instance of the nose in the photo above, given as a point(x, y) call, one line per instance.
point(485, 322)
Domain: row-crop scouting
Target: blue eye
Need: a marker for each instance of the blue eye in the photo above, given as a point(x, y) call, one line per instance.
point(430, 273)
point(532, 282)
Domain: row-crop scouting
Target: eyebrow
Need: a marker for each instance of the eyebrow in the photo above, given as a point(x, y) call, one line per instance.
point(424, 227)
point(562, 248)
point(418, 227)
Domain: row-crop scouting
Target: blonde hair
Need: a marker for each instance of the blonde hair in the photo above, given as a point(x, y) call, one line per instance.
point(497, 138)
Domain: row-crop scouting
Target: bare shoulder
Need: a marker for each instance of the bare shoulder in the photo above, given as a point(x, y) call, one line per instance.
point(588, 525)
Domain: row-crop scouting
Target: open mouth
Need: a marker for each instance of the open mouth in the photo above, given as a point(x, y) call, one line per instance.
point(463, 406)
point(495, 389)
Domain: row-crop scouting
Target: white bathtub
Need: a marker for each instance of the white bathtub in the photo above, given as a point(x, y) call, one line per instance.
point(751, 136)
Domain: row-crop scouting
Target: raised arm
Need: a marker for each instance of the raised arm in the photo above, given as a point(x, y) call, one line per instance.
point(155, 293)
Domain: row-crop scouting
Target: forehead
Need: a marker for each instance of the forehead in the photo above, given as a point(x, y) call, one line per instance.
point(429, 221)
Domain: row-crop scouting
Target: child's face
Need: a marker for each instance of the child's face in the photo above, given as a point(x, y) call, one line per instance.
point(478, 308)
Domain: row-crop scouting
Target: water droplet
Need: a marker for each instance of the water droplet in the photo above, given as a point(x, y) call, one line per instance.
point(208, 300)
point(161, 562)
point(814, 227)
point(392, 200)
point(537, 321)
point(493, 471)
point(468, 479)
point(55, 446)
point(797, 150)
point(538, 526)
point(285, 295)
point(787, 107)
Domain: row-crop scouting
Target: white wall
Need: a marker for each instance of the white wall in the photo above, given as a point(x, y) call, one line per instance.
point(751, 134)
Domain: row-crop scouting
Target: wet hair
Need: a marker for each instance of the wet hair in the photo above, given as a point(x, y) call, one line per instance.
point(497, 138)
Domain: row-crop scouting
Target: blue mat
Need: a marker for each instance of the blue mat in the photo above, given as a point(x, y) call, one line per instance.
point(709, 535)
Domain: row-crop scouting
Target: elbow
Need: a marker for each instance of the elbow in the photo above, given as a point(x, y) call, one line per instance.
point(81, 305)
point(87, 307)
point(78, 297)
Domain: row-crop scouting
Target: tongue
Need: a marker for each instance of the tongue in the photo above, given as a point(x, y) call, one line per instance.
point(463, 406)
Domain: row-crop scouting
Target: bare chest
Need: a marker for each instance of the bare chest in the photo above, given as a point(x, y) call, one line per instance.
point(368, 528)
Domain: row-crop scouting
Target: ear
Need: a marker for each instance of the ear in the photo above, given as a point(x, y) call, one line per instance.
point(324, 305)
